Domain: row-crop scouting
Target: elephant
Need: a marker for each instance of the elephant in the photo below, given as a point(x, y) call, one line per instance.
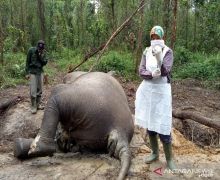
point(94, 114)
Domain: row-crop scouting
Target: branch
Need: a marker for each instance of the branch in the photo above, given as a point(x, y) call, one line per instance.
point(87, 56)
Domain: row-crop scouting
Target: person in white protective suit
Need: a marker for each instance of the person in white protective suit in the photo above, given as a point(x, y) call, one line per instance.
point(153, 104)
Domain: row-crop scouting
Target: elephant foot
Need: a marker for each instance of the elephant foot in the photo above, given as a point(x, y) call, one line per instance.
point(21, 147)
point(42, 147)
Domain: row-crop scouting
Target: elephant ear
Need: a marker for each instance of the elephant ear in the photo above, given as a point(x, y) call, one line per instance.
point(119, 147)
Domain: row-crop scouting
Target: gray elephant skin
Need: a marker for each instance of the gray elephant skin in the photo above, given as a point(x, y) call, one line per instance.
point(93, 111)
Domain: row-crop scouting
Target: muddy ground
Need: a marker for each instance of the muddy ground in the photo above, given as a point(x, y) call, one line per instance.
point(196, 147)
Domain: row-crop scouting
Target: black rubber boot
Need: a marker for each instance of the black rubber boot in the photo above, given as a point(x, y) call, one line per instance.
point(33, 105)
point(155, 150)
point(167, 147)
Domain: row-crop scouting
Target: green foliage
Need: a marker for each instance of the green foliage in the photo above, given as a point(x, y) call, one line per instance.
point(13, 71)
point(182, 55)
point(200, 66)
point(15, 65)
point(66, 57)
point(120, 62)
point(186, 65)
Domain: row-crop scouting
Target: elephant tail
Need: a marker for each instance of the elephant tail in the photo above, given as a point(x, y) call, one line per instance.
point(125, 158)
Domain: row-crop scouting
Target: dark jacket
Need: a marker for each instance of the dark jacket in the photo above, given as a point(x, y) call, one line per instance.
point(35, 61)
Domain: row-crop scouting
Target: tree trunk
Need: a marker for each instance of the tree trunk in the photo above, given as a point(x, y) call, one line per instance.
point(113, 15)
point(41, 16)
point(82, 22)
point(173, 38)
point(22, 15)
point(187, 24)
point(1, 44)
point(140, 38)
point(11, 14)
point(195, 29)
point(195, 116)
point(166, 9)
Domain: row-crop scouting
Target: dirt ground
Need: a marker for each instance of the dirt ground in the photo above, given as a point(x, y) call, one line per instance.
point(196, 147)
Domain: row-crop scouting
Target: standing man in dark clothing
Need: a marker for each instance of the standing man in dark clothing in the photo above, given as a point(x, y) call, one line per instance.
point(36, 59)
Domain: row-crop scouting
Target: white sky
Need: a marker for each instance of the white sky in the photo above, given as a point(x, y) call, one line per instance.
point(97, 4)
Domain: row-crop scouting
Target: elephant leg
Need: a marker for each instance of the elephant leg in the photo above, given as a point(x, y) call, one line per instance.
point(119, 146)
point(44, 143)
point(21, 147)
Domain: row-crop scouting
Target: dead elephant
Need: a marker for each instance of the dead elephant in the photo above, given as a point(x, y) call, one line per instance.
point(94, 113)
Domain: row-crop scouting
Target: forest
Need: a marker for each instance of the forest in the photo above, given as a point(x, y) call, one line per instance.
point(74, 28)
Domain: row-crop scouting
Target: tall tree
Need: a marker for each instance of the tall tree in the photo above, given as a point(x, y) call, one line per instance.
point(40, 5)
point(112, 5)
point(3, 26)
point(166, 17)
point(140, 38)
point(187, 23)
point(1, 44)
point(173, 38)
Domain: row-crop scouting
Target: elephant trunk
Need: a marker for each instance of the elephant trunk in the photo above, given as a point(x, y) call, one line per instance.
point(43, 143)
point(21, 147)
point(49, 123)
point(125, 158)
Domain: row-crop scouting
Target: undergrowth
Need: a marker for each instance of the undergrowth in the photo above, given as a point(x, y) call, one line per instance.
point(200, 66)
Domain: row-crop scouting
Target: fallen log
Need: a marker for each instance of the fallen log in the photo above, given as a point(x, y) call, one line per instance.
point(196, 116)
point(5, 104)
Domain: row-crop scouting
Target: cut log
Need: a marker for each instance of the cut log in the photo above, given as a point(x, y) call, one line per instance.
point(196, 116)
point(5, 104)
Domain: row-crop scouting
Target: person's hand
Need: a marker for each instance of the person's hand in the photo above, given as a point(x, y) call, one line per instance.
point(27, 77)
point(40, 52)
point(156, 73)
point(156, 50)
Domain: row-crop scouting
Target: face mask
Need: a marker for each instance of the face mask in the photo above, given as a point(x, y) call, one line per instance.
point(157, 42)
